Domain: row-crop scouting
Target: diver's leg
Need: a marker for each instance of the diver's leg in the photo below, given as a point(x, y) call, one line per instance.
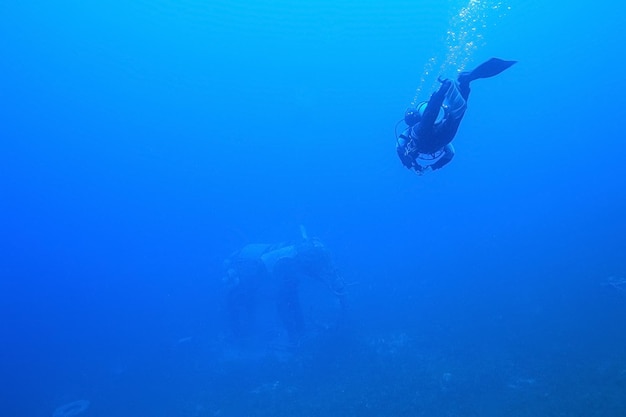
point(432, 109)
point(464, 87)
point(445, 132)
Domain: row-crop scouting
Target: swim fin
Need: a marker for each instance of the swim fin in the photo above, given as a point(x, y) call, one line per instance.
point(487, 69)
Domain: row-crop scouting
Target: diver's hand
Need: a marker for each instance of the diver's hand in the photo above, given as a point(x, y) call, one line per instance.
point(419, 170)
point(406, 160)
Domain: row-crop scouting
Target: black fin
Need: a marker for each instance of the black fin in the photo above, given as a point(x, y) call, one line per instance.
point(487, 69)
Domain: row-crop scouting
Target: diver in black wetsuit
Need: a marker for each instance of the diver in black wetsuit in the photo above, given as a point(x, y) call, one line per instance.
point(426, 142)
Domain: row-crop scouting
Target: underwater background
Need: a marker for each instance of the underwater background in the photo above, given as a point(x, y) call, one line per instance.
point(142, 142)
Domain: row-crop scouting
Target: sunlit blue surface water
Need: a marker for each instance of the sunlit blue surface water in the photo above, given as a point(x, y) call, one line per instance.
point(143, 142)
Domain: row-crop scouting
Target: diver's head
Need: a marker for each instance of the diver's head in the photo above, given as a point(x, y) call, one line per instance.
point(412, 116)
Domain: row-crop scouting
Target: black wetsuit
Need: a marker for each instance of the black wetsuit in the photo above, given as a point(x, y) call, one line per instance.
point(430, 137)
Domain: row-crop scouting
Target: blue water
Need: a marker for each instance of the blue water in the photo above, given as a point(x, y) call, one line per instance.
point(143, 142)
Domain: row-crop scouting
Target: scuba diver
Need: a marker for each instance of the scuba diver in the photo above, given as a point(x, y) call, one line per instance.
point(250, 271)
point(425, 145)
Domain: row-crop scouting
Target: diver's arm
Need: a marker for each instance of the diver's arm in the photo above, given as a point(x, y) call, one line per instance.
point(406, 160)
point(448, 154)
